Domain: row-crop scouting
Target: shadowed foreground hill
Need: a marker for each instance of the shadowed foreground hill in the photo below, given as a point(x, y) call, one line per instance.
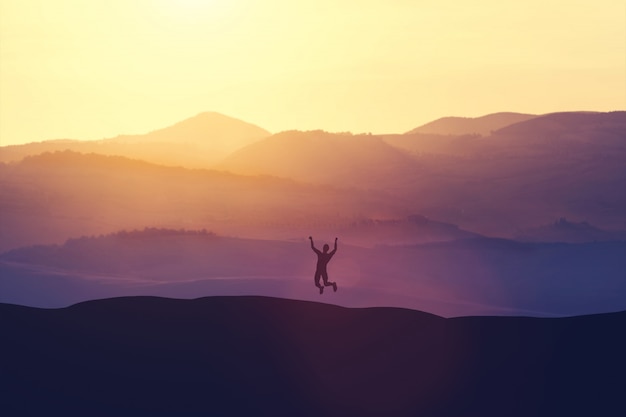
point(265, 356)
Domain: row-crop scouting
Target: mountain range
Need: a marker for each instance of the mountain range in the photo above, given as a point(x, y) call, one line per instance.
point(454, 224)
point(233, 356)
point(522, 176)
point(171, 273)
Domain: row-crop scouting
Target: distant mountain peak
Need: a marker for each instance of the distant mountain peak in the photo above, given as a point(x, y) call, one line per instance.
point(213, 125)
point(211, 117)
point(197, 142)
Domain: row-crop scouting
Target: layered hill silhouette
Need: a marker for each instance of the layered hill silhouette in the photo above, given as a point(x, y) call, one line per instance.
point(579, 124)
point(365, 161)
point(521, 177)
point(558, 165)
point(51, 197)
point(233, 356)
point(197, 142)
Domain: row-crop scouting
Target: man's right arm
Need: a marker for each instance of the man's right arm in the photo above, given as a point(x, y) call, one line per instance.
point(313, 246)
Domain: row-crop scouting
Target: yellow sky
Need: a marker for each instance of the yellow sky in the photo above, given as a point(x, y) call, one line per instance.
point(93, 69)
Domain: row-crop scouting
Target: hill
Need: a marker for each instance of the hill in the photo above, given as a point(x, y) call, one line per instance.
point(233, 356)
point(428, 144)
point(209, 131)
point(365, 161)
point(471, 125)
point(197, 142)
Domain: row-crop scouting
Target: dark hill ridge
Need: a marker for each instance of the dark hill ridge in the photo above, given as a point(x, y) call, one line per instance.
point(568, 123)
point(232, 356)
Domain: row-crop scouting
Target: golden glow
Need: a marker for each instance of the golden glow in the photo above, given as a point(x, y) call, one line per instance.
point(93, 69)
point(190, 10)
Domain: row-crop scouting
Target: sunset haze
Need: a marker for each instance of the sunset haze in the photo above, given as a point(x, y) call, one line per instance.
point(312, 208)
point(92, 70)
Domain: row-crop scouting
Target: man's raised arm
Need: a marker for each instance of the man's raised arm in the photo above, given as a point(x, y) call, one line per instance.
point(313, 246)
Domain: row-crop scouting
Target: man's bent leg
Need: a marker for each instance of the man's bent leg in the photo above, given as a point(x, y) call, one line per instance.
point(318, 274)
point(327, 283)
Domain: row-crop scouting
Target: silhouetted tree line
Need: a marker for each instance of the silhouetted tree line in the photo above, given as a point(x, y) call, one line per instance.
point(109, 253)
point(161, 232)
point(148, 232)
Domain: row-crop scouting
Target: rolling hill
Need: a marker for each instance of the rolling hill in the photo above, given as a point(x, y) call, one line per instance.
point(320, 157)
point(233, 356)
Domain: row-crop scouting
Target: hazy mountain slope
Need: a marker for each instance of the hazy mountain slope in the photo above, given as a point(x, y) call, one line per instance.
point(209, 130)
point(560, 165)
point(52, 197)
point(265, 356)
point(471, 125)
point(422, 144)
point(365, 161)
point(197, 142)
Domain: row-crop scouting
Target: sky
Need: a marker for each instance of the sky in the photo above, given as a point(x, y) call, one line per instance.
point(95, 69)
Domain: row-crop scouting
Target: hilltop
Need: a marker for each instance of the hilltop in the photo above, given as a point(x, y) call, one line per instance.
point(197, 142)
point(317, 156)
point(232, 356)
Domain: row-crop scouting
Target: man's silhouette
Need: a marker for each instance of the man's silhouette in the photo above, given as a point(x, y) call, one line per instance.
point(322, 260)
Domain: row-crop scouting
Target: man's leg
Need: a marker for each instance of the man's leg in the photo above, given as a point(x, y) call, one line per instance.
point(328, 284)
point(317, 281)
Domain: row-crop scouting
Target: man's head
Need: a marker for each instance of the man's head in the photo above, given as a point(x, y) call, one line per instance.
point(326, 247)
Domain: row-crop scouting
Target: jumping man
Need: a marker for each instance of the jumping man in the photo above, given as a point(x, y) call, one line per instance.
point(322, 260)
